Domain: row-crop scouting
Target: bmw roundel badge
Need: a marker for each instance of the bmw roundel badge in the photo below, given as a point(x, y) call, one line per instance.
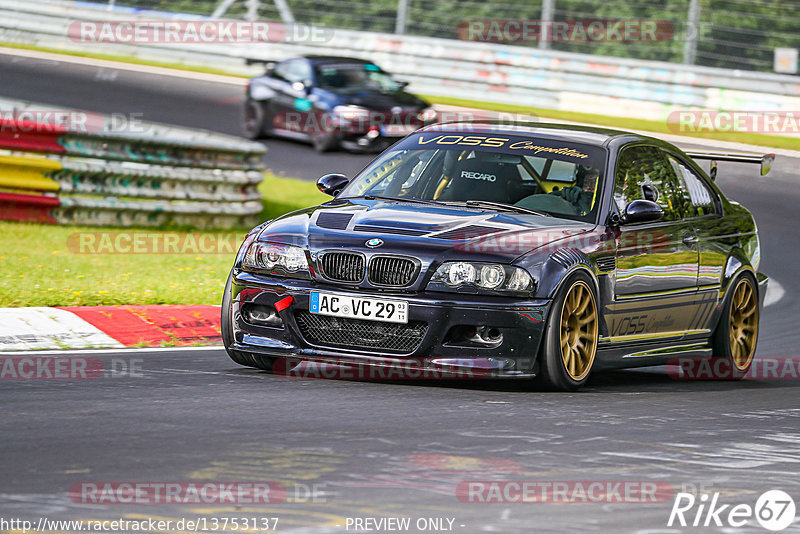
point(374, 242)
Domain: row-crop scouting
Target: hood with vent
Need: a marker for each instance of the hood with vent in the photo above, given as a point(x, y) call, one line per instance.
point(429, 232)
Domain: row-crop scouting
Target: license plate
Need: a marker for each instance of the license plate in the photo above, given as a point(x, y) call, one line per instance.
point(398, 130)
point(385, 310)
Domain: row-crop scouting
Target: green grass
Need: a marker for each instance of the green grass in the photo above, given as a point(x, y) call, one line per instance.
point(45, 265)
point(623, 123)
point(282, 195)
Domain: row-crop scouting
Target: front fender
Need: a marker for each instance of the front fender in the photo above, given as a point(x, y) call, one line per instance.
point(557, 268)
point(261, 92)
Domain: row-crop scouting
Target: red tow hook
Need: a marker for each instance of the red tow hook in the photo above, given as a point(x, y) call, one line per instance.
point(283, 304)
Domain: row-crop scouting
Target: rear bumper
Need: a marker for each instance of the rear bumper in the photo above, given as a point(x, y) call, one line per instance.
point(521, 324)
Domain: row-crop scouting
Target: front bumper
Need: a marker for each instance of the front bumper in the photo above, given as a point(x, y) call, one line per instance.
point(521, 323)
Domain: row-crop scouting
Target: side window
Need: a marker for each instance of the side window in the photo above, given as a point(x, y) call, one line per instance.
point(294, 70)
point(644, 173)
point(700, 196)
point(281, 71)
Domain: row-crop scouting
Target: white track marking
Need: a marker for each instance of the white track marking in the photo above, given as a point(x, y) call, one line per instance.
point(775, 292)
point(49, 328)
point(121, 65)
point(117, 350)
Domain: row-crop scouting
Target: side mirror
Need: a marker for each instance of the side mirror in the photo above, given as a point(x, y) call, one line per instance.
point(332, 184)
point(642, 211)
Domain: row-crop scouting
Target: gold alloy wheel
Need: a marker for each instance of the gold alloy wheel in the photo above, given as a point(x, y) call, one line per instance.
point(743, 329)
point(578, 331)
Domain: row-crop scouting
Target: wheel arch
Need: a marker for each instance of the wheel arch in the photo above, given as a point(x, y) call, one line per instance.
point(559, 267)
point(736, 264)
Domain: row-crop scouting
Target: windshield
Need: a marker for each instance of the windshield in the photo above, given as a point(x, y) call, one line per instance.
point(353, 77)
point(561, 179)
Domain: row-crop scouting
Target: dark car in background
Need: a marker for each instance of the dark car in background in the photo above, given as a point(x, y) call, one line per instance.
point(332, 102)
point(507, 250)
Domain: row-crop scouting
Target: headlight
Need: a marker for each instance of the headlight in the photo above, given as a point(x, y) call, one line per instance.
point(279, 259)
point(452, 275)
point(351, 113)
point(427, 115)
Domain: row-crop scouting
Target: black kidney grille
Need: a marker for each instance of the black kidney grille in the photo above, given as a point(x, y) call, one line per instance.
point(360, 334)
point(343, 266)
point(392, 271)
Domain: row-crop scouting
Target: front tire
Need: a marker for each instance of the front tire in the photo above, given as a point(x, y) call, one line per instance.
point(226, 327)
point(325, 139)
point(571, 334)
point(246, 359)
point(736, 335)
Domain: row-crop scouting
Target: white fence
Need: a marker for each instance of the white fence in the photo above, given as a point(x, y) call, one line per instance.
point(523, 76)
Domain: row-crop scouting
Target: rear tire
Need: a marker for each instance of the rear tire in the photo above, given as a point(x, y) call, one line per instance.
point(736, 336)
point(571, 334)
point(253, 125)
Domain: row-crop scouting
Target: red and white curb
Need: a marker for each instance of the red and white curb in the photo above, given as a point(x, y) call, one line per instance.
point(116, 327)
point(108, 327)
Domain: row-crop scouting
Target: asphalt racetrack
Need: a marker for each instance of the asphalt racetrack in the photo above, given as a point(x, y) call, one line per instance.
point(346, 449)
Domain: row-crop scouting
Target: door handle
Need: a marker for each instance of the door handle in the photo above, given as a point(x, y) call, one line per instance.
point(690, 240)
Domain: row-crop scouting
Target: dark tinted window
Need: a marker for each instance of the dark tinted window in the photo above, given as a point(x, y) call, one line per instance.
point(701, 197)
point(353, 77)
point(561, 178)
point(644, 173)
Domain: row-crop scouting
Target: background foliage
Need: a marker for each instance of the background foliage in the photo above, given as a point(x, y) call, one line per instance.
point(732, 34)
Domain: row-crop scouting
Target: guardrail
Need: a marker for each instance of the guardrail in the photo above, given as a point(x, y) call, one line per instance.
point(154, 176)
point(518, 75)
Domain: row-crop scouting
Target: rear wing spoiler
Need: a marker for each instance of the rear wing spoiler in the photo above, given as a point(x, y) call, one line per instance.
point(765, 160)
